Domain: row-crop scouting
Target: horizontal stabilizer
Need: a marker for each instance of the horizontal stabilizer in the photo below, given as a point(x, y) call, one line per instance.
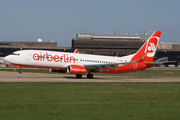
point(148, 63)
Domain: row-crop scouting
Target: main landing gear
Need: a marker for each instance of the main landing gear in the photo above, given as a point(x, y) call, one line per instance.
point(78, 76)
point(88, 76)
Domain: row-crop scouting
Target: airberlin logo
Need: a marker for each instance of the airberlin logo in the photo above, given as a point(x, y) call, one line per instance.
point(151, 47)
point(56, 58)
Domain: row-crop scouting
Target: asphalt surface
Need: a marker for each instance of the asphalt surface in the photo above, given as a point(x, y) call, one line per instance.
point(42, 77)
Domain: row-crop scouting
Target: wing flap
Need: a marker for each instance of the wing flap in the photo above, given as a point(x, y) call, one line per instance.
point(103, 68)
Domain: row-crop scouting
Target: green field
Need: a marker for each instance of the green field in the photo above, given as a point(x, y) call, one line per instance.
point(90, 101)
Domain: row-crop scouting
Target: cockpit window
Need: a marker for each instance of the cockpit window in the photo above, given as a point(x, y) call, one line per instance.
point(15, 54)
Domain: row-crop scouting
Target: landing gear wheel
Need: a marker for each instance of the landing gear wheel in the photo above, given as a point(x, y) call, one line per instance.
point(89, 75)
point(78, 76)
point(20, 71)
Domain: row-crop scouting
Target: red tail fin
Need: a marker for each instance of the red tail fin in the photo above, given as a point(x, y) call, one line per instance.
point(149, 48)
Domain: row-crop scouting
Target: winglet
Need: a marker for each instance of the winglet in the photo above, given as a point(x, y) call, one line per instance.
point(76, 50)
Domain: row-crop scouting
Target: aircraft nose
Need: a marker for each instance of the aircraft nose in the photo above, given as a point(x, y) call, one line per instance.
point(7, 59)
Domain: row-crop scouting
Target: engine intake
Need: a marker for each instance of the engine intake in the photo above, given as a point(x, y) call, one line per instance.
point(76, 69)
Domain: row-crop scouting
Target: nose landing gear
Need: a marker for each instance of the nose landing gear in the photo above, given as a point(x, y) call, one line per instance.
point(20, 71)
point(18, 66)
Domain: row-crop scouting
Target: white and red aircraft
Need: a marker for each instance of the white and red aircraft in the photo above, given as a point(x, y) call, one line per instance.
point(79, 64)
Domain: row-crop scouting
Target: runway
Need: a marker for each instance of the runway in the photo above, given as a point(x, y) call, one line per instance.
point(42, 77)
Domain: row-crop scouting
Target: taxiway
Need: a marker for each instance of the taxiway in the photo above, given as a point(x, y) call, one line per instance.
point(42, 77)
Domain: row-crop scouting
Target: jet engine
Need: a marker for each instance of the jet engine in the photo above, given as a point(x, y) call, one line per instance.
point(76, 69)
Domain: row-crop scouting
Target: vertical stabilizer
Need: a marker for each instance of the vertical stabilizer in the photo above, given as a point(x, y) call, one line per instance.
point(148, 50)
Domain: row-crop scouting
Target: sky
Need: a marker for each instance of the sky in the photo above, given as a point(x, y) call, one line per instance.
point(61, 20)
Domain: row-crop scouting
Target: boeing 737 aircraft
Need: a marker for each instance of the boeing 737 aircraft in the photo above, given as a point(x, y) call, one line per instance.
point(79, 64)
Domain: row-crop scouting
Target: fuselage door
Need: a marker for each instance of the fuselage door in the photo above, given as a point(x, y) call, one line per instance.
point(28, 56)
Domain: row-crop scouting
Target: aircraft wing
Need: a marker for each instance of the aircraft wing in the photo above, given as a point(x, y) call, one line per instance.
point(97, 67)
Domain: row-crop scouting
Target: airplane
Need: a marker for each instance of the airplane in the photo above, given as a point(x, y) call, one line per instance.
point(79, 64)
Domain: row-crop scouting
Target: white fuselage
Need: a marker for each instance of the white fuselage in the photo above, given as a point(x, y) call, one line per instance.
point(51, 59)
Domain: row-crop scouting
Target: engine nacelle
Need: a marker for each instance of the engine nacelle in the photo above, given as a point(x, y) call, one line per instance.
point(58, 70)
point(76, 69)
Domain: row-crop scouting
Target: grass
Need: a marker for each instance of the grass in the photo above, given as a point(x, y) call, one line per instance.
point(90, 101)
